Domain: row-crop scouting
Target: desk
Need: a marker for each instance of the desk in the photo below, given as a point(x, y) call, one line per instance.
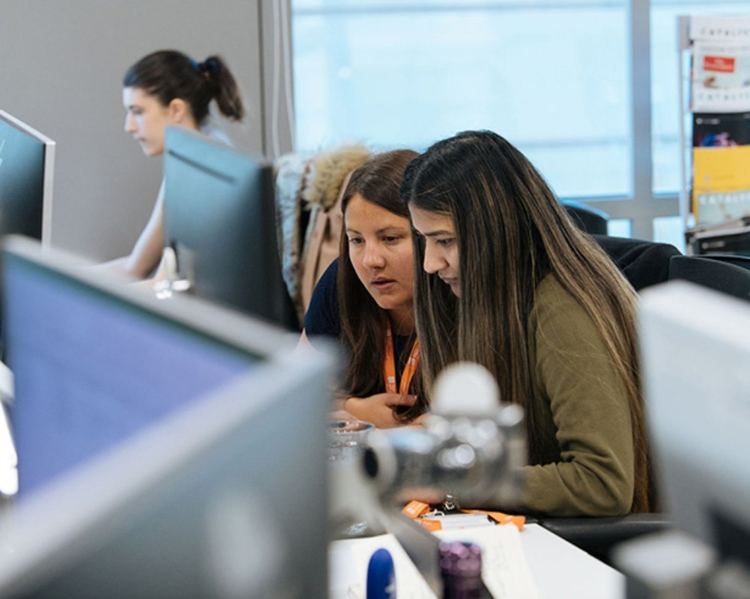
point(560, 570)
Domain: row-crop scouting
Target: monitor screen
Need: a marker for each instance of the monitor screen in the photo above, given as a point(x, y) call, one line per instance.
point(26, 167)
point(224, 498)
point(695, 353)
point(220, 220)
point(96, 360)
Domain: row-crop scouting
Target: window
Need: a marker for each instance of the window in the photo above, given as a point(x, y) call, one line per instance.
point(409, 74)
point(566, 81)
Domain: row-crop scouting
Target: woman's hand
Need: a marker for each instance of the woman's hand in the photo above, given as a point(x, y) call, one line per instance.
point(379, 409)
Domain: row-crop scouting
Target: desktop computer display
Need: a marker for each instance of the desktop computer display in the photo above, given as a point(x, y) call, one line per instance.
point(220, 221)
point(225, 498)
point(695, 353)
point(26, 168)
point(96, 360)
point(172, 449)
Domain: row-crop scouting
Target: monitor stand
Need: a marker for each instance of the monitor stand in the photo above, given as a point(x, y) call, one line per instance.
point(171, 282)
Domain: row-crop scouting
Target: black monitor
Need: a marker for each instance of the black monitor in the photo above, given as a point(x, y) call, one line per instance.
point(220, 221)
point(26, 168)
point(222, 494)
point(95, 360)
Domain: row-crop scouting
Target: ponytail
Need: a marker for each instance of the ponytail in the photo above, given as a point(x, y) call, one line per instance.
point(170, 74)
point(224, 87)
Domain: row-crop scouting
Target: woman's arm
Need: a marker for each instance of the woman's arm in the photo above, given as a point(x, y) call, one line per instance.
point(148, 248)
point(588, 456)
point(378, 409)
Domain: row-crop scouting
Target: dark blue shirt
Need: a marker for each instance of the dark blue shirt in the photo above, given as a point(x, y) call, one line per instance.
point(323, 317)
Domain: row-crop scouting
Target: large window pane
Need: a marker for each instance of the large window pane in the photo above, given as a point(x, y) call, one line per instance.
point(665, 110)
point(406, 74)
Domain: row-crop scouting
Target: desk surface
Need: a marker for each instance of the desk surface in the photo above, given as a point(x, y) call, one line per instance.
point(560, 570)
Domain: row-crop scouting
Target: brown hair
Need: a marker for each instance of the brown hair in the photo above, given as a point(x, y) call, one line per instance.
point(377, 181)
point(511, 232)
point(170, 74)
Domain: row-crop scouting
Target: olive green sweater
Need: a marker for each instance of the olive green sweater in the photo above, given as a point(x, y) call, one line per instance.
point(587, 465)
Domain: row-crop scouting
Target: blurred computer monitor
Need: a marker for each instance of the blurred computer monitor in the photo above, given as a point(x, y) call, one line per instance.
point(26, 170)
point(165, 450)
point(225, 498)
point(220, 220)
point(95, 360)
point(695, 350)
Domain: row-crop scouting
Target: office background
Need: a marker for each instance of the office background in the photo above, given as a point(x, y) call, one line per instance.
point(588, 89)
point(62, 69)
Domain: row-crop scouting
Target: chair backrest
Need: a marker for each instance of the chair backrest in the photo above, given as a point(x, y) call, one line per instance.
point(715, 274)
point(644, 263)
point(587, 219)
point(742, 261)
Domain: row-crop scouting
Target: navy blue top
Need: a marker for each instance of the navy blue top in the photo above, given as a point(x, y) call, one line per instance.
point(323, 318)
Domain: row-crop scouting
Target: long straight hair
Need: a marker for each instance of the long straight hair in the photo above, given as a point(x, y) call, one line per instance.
point(511, 231)
point(363, 322)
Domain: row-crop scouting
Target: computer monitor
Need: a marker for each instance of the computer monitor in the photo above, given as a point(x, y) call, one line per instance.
point(224, 498)
point(695, 352)
point(26, 167)
point(95, 359)
point(186, 443)
point(220, 220)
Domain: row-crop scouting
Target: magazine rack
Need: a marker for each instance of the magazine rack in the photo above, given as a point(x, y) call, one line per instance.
point(714, 120)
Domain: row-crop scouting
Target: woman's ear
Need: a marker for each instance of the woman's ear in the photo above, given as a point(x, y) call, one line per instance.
point(179, 112)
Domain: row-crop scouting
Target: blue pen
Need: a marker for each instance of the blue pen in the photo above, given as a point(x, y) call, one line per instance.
point(381, 576)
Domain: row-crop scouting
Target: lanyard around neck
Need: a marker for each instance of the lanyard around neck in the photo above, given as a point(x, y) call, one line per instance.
point(389, 365)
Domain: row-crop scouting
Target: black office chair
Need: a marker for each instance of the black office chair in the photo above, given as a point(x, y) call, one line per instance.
point(644, 263)
point(588, 219)
point(741, 261)
point(716, 274)
point(598, 536)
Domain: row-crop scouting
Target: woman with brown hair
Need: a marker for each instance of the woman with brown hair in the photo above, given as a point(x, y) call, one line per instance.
point(365, 298)
point(510, 283)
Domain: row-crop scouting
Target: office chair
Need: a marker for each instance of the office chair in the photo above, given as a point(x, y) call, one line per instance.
point(716, 274)
point(598, 536)
point(644, 263)
point(737, 260)
point(587, 219)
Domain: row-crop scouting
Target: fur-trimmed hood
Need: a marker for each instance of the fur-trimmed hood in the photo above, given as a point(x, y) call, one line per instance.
point(328, 169)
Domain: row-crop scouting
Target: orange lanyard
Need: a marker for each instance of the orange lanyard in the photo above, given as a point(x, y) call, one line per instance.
point(389, 365)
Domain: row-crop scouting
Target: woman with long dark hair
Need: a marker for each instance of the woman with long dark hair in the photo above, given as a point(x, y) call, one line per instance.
point(509, 282)
point(365, 298)
point(164, 88)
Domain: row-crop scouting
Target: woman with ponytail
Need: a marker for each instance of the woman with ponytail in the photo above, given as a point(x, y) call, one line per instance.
point(164, 88)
